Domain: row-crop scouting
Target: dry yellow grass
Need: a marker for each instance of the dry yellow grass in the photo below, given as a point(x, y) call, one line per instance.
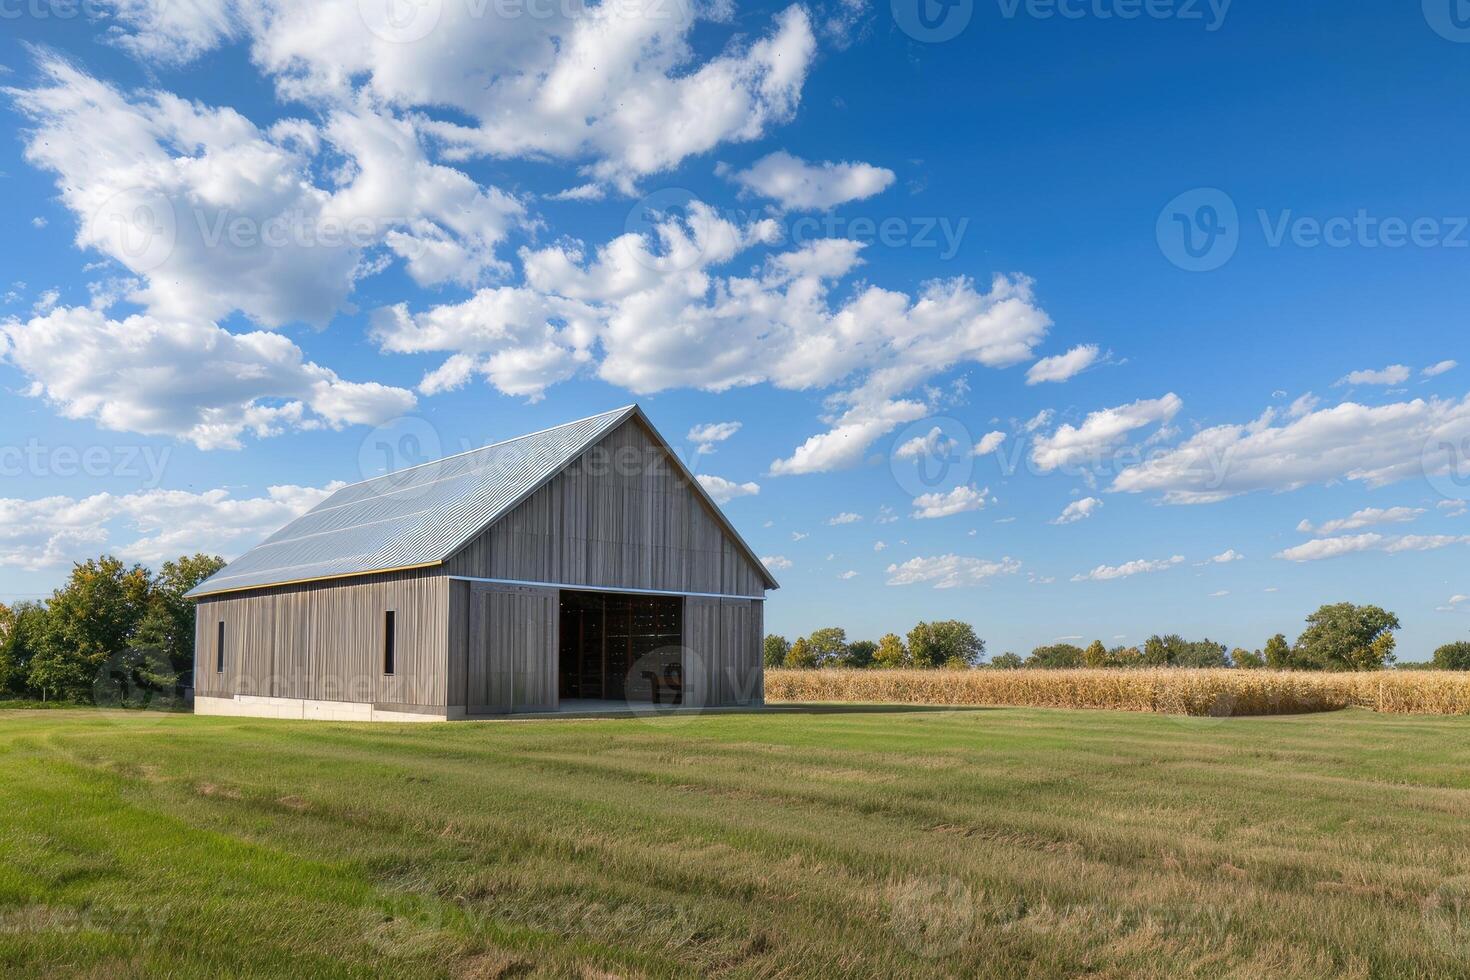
point(1170, 691)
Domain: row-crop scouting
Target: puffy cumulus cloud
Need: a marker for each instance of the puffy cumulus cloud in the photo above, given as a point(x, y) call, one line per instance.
point(150, 526)
point(1078, 510)
point(776, 563)
point(989, 443)
point(1063, 366)
point(1100, 433)
point(1367, 517)
point(957, 501)
point(1394, 374)
point(216, 215)
point(178, 377)
point(723, 491)
point(950, 571)
point(707, 435)
point(1226, 557)
point(1372, 445)
point(651, 305)
point(798, 185)
point(617, 85)
point(1104, 573)
point(517, 339)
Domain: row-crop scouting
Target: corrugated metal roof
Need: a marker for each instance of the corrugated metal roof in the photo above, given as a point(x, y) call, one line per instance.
point(421, 515)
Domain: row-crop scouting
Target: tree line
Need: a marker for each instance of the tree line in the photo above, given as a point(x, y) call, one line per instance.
point(121, 627)
point(1338, 637)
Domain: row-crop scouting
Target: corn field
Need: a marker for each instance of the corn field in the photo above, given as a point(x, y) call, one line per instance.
point(1170, 691)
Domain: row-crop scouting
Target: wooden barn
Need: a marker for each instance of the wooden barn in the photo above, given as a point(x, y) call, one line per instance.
point(578, 568)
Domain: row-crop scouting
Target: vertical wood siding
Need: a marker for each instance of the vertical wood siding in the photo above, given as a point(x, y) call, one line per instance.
point(621, 517)
point(324, 641)
point(512, 663)
point(722, 640)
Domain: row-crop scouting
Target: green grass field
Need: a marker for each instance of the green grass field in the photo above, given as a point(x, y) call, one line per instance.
point(1001, 842)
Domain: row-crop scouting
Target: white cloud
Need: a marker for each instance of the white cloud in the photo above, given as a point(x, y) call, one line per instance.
point(949, 571)
point(216, 215)
point(880, 545)
point(38, 222)
point(1039, 421)
point(1100, 432)
point(1435, 370)
point(1392, 375)
point(848, 575)
point(957, 501)
point(705, 436)
point(1367, 517)
point(1351, 544)
point(1453, 604)
point(149, 526)
point(1226, 557)
point(723, 491)
point(989, 443)
point(845, 518)
point(799, 185)
point(1376, 446)
point(1220, 595)
point(1453, 508)
point(933, 445)
point(885, 515)
point(1078, 510)
point(799, 535)
point(776, 563)
point(1104, 573)
point(1063, 366)
point(195, 381)
point(615, 86)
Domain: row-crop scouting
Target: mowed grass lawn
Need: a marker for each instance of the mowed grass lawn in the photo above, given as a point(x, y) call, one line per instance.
point(990, 842)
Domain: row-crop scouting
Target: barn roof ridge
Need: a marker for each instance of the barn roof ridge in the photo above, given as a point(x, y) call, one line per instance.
point(422, 515)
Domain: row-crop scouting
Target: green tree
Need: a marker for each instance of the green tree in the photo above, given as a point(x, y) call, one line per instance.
point(93, 616)
point(1348, 637)
point(1008, 661)
point(776, 649)
point(1453, 656)
point(828, 645)
point(800, 656)
point(167, 624)
point(1278, 653)
point(1055, 656)
point(945, 643)
point(22, 629)
point(1121, 656)
point(1246, 659)
point(860, 653)
point(1096, 655)
point(1175, 651)
point(891, 652)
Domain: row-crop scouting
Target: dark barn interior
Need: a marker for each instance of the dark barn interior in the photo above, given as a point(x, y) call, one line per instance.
point(621, 646)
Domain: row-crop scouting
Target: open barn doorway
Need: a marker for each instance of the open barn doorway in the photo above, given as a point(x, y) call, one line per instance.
point(619, 646)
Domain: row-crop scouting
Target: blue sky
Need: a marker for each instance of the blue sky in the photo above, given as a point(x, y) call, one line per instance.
point(249, 246)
